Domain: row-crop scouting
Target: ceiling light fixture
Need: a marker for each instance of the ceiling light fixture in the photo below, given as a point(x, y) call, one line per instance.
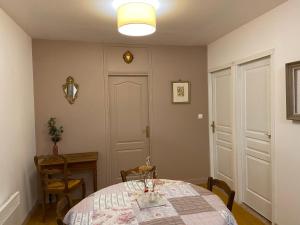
point(136, 17)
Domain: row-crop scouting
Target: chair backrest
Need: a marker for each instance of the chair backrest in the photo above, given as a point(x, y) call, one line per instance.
point(46, 173)
point(136, 172)
point(225, 187)
point(63, 206)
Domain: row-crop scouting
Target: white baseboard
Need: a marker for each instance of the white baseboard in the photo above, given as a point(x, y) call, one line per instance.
point(9, 207)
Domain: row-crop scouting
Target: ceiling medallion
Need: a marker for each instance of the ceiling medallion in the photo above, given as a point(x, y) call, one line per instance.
point(128, 57)
point(136, 17)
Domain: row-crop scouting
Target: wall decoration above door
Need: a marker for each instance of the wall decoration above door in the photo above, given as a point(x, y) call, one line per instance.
point(293, 90)
point(71, 89)
point(181, 92)
point(128, 57)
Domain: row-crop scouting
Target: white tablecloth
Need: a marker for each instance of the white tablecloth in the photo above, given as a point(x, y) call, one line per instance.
point(186, 204)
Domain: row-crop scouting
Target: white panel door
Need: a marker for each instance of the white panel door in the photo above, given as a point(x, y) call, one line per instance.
point(256, 136)
point(129, 136)
point(222, 125)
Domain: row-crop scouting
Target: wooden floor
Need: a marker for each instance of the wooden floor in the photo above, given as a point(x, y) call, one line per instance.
point(242, 215)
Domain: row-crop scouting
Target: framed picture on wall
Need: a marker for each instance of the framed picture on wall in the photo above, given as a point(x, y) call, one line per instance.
point(293, 90)
point(181, 92)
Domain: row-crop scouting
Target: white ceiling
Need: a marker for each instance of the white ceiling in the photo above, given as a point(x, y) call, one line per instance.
point(180, 22)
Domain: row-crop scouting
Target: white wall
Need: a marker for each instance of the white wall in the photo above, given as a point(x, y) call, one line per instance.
point(279, 29)
point(17, 132)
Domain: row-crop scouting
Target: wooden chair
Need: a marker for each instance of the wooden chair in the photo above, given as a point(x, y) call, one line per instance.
point(56, 181)
point(222, 185)
point(136, 172)
point(63, 206)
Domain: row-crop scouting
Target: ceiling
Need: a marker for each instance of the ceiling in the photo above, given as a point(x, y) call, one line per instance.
point(180, 22)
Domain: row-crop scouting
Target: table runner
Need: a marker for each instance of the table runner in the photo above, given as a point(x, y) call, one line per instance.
point(187, 204)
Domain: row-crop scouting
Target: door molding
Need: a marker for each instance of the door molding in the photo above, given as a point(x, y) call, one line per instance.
point(237, 114)
point(147, 72)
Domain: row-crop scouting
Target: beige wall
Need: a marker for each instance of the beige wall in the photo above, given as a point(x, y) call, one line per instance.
point(179, 140)
point(279, 30)
point(17, 133)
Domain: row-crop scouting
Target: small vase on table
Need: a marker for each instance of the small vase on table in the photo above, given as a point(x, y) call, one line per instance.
point(55, 149)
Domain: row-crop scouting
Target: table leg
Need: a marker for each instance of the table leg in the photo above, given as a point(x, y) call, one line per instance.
point(50, 198)
point(50, 195)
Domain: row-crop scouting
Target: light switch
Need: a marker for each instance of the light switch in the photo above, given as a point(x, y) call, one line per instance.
point(200, 116)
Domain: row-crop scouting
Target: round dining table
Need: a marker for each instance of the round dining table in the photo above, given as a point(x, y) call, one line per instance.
point(181, 203)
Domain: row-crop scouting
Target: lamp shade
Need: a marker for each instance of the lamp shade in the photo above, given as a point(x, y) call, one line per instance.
point(136, 18)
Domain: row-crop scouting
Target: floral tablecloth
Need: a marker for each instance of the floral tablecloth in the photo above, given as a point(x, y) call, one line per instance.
point(186, 204)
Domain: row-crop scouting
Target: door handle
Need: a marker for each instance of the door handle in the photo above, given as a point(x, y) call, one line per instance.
point(213, 126)
point(268, 134)
point(147, 131)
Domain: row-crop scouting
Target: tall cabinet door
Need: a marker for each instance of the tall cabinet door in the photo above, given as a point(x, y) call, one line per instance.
point(256, 135)
point(222, 125)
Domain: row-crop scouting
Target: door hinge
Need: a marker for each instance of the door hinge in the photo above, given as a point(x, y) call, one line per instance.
point(213, 126)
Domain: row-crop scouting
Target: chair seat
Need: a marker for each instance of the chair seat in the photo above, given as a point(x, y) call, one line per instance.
point(60, 185)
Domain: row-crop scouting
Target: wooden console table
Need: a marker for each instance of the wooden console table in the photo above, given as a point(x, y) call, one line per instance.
point(76, 162)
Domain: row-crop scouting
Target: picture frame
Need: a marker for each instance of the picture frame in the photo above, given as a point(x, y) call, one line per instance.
point(181, 92)
point(293, 91)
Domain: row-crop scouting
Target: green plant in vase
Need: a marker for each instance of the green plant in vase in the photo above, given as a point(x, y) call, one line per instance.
point(55, 133)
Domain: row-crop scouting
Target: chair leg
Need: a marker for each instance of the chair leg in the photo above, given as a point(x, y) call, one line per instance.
point(83, 189)
point(70, 202)
point(56, 198)
point(210, 183)
point(44, 205)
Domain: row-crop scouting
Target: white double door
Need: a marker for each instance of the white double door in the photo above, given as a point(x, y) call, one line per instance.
point(252, 136)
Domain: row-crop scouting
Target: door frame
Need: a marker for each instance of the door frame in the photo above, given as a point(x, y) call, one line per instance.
point(147, 72)
point(236, 113)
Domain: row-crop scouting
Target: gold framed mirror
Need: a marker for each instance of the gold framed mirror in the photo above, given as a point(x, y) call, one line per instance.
point(70, 89)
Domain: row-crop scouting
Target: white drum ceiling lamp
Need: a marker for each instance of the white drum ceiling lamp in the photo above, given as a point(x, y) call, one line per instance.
point(136, 17)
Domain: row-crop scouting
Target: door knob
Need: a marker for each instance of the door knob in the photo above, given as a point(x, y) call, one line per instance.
point(268, 134)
